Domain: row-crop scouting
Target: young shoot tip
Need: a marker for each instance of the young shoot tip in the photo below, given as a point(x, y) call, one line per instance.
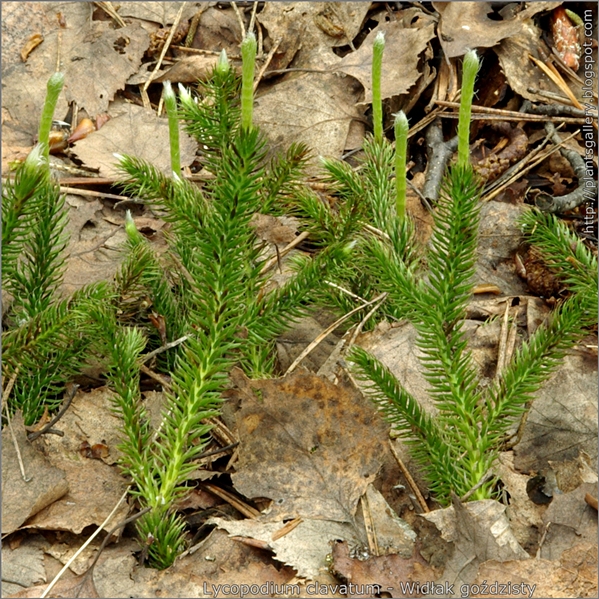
point(167, 89)
point(222, 64)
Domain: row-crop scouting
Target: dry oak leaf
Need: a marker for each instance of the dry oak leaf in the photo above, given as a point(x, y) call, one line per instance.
point(20, 499)
point(134, 132)
point(310, 446)
point(403, 47)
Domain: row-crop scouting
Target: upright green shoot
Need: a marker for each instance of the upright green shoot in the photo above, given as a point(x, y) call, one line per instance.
point(54, 87)
point(248, 55)
point(170, 102)
point(377, 67)
point(469, 70)
point(401, 149)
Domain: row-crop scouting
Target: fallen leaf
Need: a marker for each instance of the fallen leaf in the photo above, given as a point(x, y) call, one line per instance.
point(575, 575)
point(305, 548)
point(403, 47)
point(392, 574)
point(314, 109)
point(465, 26)
point(159, 12)
point(134, 132)
point(310, 446)
point(569, 520)
point(21, 500)
point(521, 73)
point(23, 565)
point(480, 531)
point(563, 417)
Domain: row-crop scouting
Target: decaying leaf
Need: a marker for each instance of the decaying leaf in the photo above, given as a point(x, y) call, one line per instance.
point(310, 446)
point(21, 500)
point(480, 531)
point(305, 548)
point(574, 575)
point(403, 47)
point(314, 109)
point(135, 132)
point(393, 574)
point(563, 418)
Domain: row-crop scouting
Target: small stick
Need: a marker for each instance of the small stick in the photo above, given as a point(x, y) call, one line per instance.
point(239, 18)
point(275, 260)
point(540, 157)
point(24, 476)
point(373, 545)
point(167, 44)
point(93, 194)
point(409, 479)
point(523, 116)
point(122, 524)
point(265, 65)
point(328, 331)
point(487, 476)
point(501, 353)
point(9, 386)
point(247, 510)
point(82, 548)
point(109, 10)
point(548, 203)
point(163, 348)
point(291, 525)
point(71, 394)
point(361, 324)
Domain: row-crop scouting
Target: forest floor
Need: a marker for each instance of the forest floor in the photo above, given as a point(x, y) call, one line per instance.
point(302, 524)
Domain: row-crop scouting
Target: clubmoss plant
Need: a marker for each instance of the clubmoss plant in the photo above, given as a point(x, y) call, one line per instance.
point(458, 447)
point(367, 195)
point(214, 289)
point(45, 338)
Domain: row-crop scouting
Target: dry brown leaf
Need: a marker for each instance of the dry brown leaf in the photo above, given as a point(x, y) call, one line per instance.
point(24, 565)
point(315, 109)
point(465, 26)
point(304, 548)
point(521, 73)
point(403, 47)
point(563, 418)
point(392, 573)
point(480, 531)
point(189, 69)
point(158, 12)
point(134, 132)
point(94, 490)
point(310, 446)
point(575, 575)
point(569, 521)
point(22, 500)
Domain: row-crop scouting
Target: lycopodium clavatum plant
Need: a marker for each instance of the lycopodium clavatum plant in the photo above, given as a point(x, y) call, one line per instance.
point(458, 446)
point(210, 285)
point(371, 196)
point(46, 338)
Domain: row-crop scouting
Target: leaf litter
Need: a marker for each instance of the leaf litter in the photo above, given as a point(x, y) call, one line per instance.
point(322, 456)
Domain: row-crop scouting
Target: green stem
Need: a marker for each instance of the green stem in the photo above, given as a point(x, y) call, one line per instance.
point(469, 70)
point(170, 102)
point(248, 56)
point(377, 68)
point(54, 87)
point(401, 149)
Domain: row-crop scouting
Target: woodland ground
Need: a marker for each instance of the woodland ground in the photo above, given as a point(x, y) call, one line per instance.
point(329, 525)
